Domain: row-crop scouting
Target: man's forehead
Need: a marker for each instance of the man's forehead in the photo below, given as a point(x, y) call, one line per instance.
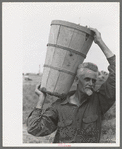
point(89, 66)
point(84, 73)
point(90, 75)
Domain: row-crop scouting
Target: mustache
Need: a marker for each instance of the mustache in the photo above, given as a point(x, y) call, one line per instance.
point(91, 88)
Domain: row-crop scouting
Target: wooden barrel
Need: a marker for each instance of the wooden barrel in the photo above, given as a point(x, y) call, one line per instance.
point(67, 47)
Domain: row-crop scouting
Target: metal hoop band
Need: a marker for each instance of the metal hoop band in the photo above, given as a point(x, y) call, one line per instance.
point(68, 49)
point(59, 69)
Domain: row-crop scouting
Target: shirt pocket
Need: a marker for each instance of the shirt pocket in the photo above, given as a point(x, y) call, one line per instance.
point(66, 129)
point(90, 123)
point(90, 119)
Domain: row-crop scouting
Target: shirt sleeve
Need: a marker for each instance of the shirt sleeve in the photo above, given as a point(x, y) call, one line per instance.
point(42, 123)
point(107, 90)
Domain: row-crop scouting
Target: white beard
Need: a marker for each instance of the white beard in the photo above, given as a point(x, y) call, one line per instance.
point(88, 91)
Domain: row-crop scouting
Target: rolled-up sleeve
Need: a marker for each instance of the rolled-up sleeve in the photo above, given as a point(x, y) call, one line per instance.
point(107, 92)
point(42, 123)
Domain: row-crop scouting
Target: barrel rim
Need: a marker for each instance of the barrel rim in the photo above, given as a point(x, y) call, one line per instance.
point(72, 25)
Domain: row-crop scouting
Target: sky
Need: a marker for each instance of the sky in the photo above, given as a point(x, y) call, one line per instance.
point(26, 28)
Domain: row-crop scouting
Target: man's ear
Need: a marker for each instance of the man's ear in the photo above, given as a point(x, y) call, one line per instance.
point(76, 80)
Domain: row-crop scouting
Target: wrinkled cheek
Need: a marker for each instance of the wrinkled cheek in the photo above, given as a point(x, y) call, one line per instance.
point(81, 88)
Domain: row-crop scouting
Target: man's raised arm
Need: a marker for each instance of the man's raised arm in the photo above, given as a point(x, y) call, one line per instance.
point(107, 90)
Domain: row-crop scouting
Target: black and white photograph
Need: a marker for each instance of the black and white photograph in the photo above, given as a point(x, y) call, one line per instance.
point(61, 74)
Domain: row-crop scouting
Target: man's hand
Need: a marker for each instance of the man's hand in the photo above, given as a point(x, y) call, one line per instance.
point(42, 96)
point(37, 91)
point(97, 39)
point(97, 35)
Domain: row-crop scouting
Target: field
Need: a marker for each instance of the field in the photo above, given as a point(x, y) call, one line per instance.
point(30, 100)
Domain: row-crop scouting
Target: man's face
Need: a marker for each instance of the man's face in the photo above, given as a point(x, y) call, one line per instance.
point(87, 82)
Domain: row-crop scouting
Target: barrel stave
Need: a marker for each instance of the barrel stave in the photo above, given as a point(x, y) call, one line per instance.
point(64, 83)
point(53, 35)
point(65, 35)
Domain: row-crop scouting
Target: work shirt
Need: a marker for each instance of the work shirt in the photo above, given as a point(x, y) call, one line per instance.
point(75, 124)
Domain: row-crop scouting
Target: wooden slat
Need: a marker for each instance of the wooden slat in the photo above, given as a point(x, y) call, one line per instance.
point(77, 41)
point(45, 75)
point(87, 45)
point(49, 55)
point(65, 36)
point(64, 83)
point(71, 61)
point(53, 34)
point(52, 79)
point(58, 58)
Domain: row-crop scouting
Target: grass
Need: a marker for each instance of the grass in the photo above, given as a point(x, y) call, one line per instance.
point(30, 100)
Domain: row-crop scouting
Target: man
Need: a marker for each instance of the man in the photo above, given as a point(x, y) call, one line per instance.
point(77, 118)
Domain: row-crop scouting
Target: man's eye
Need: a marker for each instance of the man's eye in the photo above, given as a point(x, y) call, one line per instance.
point(87, 79)
point(93, 80)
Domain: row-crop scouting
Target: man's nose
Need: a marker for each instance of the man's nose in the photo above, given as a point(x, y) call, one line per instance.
point(90, 82)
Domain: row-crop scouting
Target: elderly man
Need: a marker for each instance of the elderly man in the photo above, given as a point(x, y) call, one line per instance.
point(77, 118)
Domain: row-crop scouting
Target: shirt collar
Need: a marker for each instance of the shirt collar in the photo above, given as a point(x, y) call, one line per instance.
point(67, 99)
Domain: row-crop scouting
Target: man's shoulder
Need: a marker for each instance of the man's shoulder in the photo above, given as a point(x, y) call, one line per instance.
point(61, 100)
point(57, 102)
